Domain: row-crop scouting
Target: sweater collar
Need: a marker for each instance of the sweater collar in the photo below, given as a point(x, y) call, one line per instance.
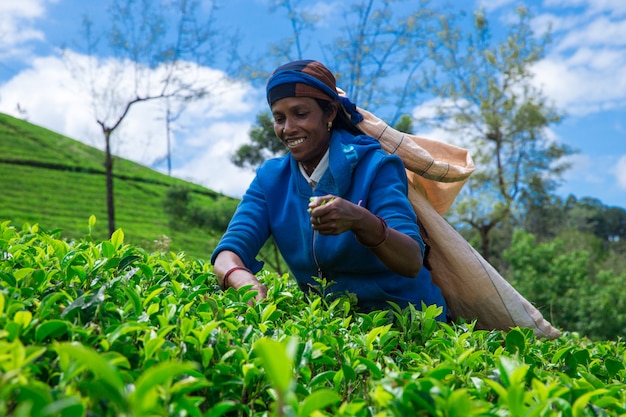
point(344, 153)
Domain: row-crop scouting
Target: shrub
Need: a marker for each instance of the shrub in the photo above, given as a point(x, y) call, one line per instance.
point(105, 328)
point(562, 284)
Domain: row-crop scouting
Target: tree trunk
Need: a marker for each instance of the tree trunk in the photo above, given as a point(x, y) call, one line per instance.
point(485, 241)
point(108, 166)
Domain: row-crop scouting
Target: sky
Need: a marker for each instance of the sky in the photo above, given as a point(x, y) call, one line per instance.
point(583, 73)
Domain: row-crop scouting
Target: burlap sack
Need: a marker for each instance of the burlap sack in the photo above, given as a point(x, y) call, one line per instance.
point(473, 289)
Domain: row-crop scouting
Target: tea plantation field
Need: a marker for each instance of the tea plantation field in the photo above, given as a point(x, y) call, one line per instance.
point(104, 328)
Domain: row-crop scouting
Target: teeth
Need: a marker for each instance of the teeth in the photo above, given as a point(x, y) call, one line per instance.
point(295, 142)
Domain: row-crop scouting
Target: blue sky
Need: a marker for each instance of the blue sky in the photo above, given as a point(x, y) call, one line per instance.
point(583, 73)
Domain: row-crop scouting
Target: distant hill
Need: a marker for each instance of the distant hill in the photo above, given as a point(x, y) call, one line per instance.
point(57, 182)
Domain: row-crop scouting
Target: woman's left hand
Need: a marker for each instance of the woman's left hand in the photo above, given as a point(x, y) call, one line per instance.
point(331, 215)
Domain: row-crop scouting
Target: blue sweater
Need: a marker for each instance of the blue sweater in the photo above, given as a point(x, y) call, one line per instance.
point(359, 171)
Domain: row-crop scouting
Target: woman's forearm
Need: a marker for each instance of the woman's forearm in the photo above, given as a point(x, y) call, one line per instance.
point(396, 250)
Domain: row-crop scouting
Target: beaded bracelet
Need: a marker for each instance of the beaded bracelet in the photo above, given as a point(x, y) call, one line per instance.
point(385, 235)
point(230, 271)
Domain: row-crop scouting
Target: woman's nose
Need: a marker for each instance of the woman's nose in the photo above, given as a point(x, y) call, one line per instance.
point(289, 125)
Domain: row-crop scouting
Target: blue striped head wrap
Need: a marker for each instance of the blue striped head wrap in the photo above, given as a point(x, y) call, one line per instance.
point(307, 78)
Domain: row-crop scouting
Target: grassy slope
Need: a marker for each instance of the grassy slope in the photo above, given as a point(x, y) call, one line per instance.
point(57, 182)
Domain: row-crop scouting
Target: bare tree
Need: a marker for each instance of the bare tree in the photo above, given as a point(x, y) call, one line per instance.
point(379, 51)
point(302, 22)
point(152, 51)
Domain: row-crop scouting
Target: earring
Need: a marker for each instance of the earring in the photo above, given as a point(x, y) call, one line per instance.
point(330, 125)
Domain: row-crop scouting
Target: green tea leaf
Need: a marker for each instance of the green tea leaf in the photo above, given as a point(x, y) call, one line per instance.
point(374, 333)
point(579, 406)
point(51, 329)
point(318, 400)
point(91, 360)
point(65, 407)
point(268, 311)
point(277, 365)
point(613, 366)
point(515, 341)
point(37, 394)
point(459, 403)
point(117, 238)
point(23, 318)
point(133, 297)
point(127, 260)
point(221, 408)
point(144, 397)
point(20, 274)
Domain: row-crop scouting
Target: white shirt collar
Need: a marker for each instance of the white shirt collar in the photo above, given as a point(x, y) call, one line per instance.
point(319, 170)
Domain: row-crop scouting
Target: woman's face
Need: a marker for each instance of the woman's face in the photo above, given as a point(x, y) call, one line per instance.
point(302, 126)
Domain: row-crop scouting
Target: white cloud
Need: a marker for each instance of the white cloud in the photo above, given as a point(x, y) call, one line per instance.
point(613, 7)
point(209, 164)
point(580, 164)
point(556, 23)
point(620, 172)
point(586, 82)
point(321, 10)
point(585, 69)
point(48, 95)
point(446, 130)
point(589, 170)
point(53, 99)
point(17, 19)
point(599, 176)
point(598, 31)
point(491, 5)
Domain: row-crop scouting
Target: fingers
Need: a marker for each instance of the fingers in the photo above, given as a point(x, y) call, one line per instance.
point(330, 215)
point(315, 202)
point(322, 206)
point(318, 210)
point(262, 292)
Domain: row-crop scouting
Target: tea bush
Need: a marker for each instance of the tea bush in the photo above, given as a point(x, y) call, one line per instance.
point(566, 289)
point(104, 328)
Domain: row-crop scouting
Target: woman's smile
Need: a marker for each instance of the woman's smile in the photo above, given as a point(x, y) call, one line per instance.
point(292, 143)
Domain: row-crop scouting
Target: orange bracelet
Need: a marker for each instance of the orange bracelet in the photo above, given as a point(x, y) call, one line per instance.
point(230, 271)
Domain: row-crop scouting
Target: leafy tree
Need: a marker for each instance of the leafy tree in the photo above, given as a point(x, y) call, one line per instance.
point(264, 144)
point(156, 46)
point(405, 124)
point(608, 223)
point(582, 225)
point(176, 204)
point(184, 211)
point(486, 93)
point(562, 281)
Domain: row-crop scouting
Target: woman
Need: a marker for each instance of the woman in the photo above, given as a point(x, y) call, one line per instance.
point(336, 204)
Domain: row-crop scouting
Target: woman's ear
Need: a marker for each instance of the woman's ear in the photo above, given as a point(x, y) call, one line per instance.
point(332, 112)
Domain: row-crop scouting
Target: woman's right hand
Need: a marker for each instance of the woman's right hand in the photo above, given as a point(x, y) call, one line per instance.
point(239, 277)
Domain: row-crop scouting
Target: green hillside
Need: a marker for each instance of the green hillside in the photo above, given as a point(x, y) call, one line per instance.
point(58, 182)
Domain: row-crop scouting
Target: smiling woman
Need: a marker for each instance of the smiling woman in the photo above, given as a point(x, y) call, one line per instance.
point(331, 203)
point(304, 128)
